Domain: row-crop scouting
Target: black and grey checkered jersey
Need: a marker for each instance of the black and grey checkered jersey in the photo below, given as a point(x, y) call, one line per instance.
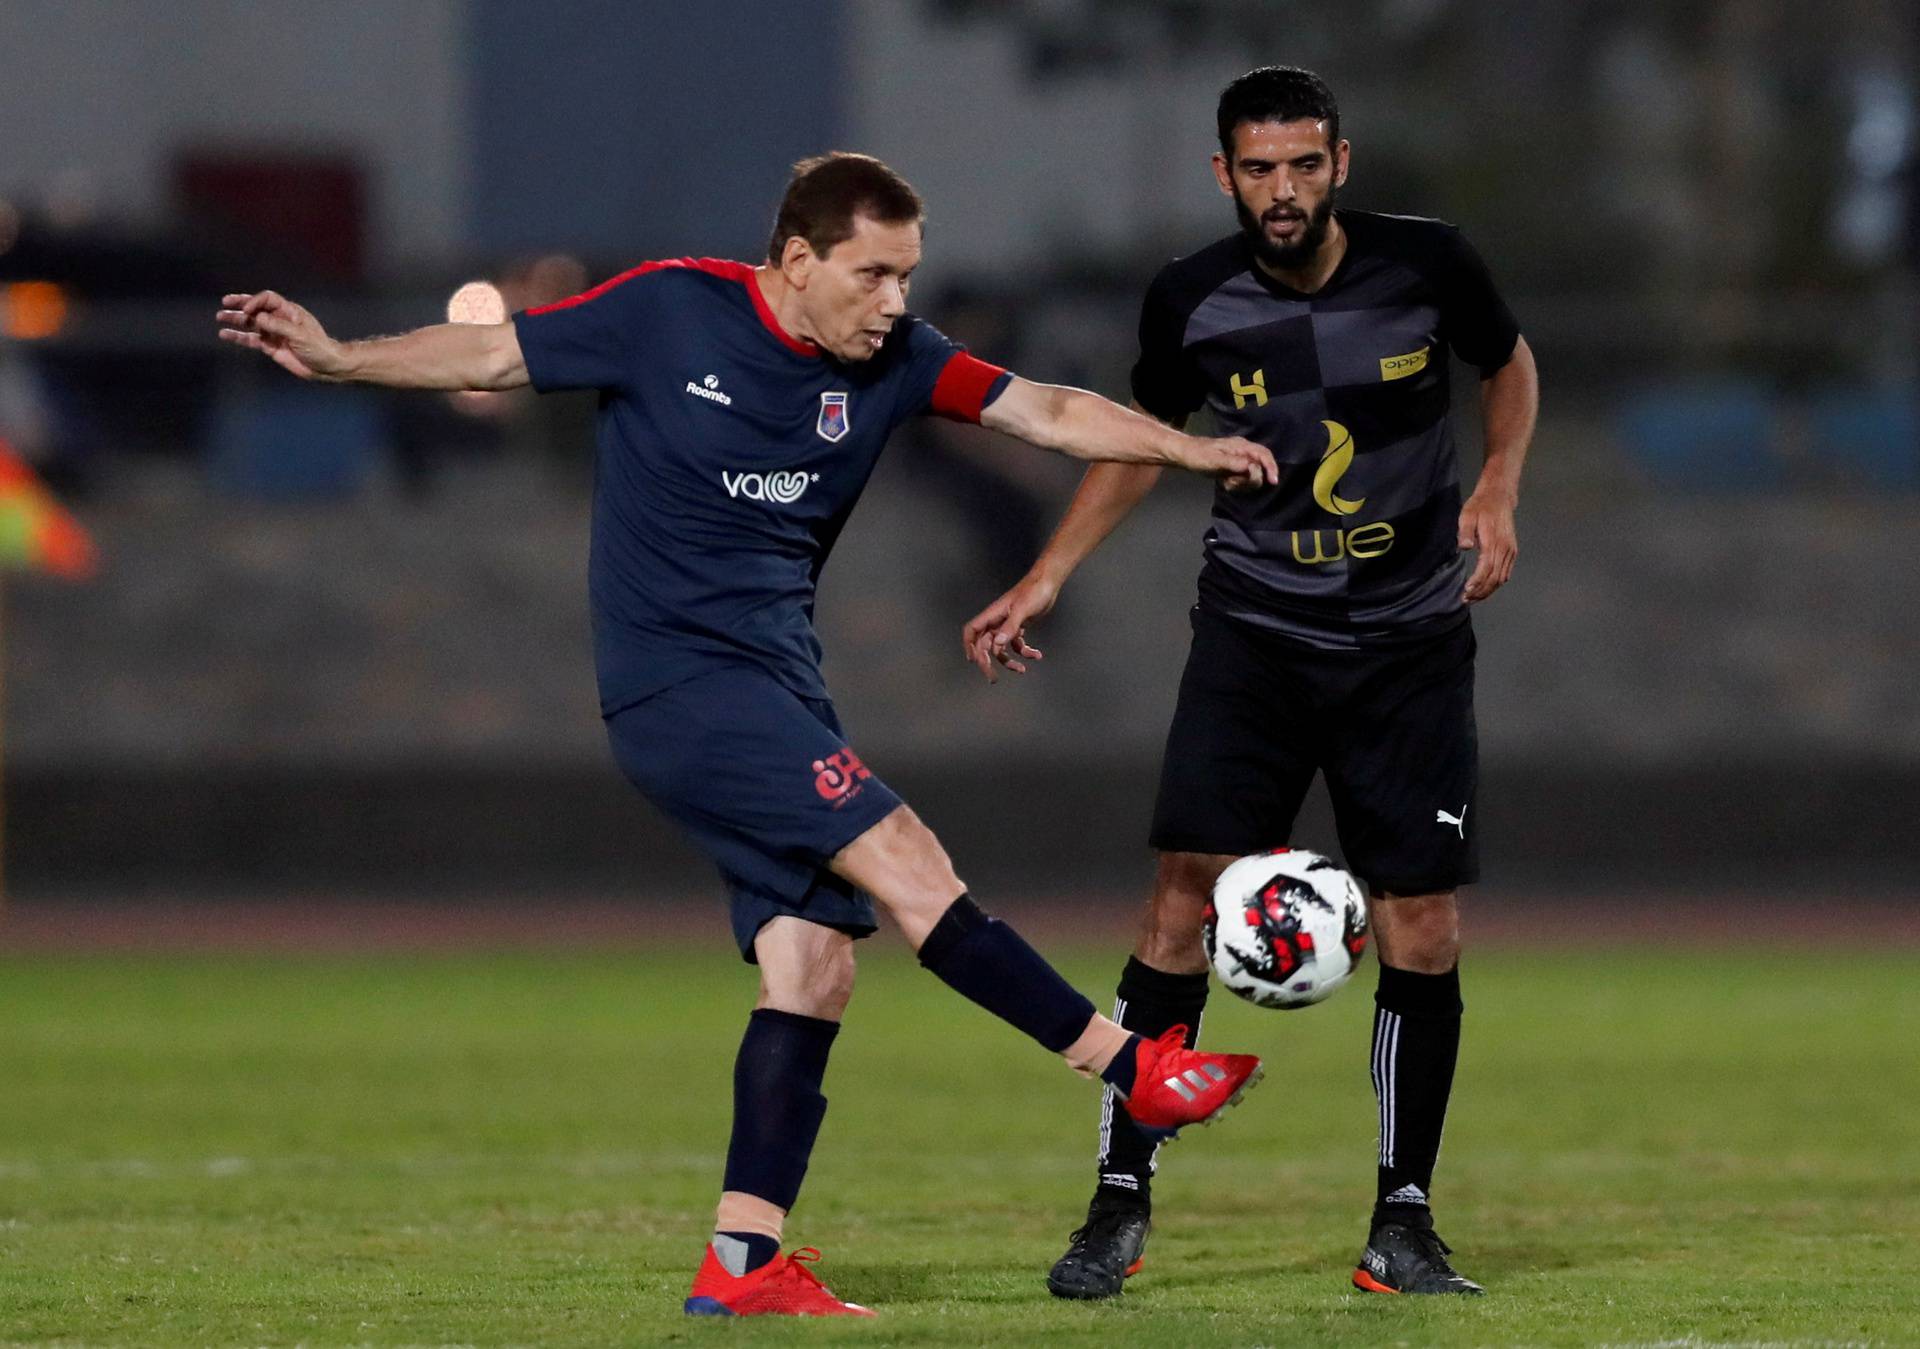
point(1357, 546)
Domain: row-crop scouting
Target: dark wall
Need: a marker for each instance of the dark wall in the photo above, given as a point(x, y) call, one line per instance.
point(618, 129)
point(1062, 827)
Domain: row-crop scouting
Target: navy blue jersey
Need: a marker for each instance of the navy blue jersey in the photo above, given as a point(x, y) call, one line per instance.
point(730, 454)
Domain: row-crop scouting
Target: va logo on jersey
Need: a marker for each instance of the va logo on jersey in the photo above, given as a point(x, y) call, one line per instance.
point(1362, 541)
point(1253, 388)
point(833, 423)
point(782, 489)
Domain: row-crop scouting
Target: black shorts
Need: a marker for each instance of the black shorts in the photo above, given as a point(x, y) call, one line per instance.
point(1391, 728)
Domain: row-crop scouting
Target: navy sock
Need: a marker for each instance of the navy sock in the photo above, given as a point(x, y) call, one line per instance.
point(982, 959)
point(1150, 1003)
point(777, 1105)
point(744, 1252)
point(1416, 1041)
point(1125, 1068)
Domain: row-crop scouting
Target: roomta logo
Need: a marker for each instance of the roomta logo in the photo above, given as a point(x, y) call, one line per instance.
point(709, 389)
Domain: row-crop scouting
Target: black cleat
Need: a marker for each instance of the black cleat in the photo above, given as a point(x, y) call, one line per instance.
point(1103, 1254)
point(1401, 1258)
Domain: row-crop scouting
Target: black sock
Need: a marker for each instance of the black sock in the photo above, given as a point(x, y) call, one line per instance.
point(1416, 1039)
point(1150, 1003)
point(746, 1253)
point(981, 958)
point(777, 1105)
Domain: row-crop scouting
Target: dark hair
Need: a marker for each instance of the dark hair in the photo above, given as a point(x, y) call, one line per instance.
point(828, 191)
point(1277, 94)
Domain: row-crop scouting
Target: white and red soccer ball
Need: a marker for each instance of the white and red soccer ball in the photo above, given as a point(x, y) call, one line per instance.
point(1285, 928)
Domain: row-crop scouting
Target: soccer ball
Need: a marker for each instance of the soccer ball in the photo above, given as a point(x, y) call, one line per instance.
point(1285, 928)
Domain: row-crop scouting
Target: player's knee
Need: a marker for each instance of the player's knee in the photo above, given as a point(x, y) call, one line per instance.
point(821, 989)
point(805, 968)
point(833, 987)
point(906, 870)
point(1429, 953)
point(1419, 933)
point(1173, 950)
point(1181, 889)
point(1184, 880)
point(1170, 929)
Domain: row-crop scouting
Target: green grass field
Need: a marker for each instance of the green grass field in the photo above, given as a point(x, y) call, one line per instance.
point(494, 1149)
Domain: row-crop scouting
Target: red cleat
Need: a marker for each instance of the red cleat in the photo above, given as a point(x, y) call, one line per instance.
point(784, 1286)
point(1175, 1086)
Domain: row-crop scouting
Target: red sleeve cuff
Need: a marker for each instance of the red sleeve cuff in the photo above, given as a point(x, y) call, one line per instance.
point(964, 386)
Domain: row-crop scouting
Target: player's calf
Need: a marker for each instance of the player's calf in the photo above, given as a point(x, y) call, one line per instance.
point(1167, 1086)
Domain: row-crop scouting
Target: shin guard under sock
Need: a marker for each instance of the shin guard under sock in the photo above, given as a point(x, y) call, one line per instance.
point(777, 1105)
point(987, 962)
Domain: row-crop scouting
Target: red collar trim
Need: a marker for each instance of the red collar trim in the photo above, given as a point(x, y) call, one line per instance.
point(722, 267)
point(799, 346)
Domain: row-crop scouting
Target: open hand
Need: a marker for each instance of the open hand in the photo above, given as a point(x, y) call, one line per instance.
point(269, 322)
point(997, 635)
point(1486, 523)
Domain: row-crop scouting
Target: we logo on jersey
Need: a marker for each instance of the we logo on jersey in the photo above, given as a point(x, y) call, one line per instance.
point(1317, 547)
point(780, 488)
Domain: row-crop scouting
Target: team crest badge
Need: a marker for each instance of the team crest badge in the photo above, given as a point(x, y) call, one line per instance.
point(833, 416)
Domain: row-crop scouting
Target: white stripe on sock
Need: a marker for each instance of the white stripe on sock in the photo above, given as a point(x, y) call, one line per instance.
point(1379, 1087)
point(1386, 1060)
point(1393, 1093)
point(1108, 1095)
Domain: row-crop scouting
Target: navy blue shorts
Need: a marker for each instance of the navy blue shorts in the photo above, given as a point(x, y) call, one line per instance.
point(766, 784)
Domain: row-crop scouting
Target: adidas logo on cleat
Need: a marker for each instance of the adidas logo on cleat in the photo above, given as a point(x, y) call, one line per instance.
point(1176, 1086)
point(1191, 1083)
point(1375, 1262)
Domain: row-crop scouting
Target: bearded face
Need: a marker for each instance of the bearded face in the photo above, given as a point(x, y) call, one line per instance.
point(1286, 236)
point(1283, 178)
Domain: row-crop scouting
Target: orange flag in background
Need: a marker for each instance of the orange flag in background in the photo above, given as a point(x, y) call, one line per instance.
point(34, 532)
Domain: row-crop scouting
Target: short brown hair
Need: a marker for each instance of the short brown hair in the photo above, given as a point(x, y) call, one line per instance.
point(828, 191)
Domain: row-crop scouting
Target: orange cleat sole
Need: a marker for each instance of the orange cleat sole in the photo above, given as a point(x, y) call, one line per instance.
point(1368, 1284)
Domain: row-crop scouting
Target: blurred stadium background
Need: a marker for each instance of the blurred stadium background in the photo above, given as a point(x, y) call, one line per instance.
point(328, 684)
point(336, 644)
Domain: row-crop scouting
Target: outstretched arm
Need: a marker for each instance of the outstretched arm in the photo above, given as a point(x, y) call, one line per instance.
point(1509, 406)
point(1107, 495)
point(1087, 426)
point(444, 356)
